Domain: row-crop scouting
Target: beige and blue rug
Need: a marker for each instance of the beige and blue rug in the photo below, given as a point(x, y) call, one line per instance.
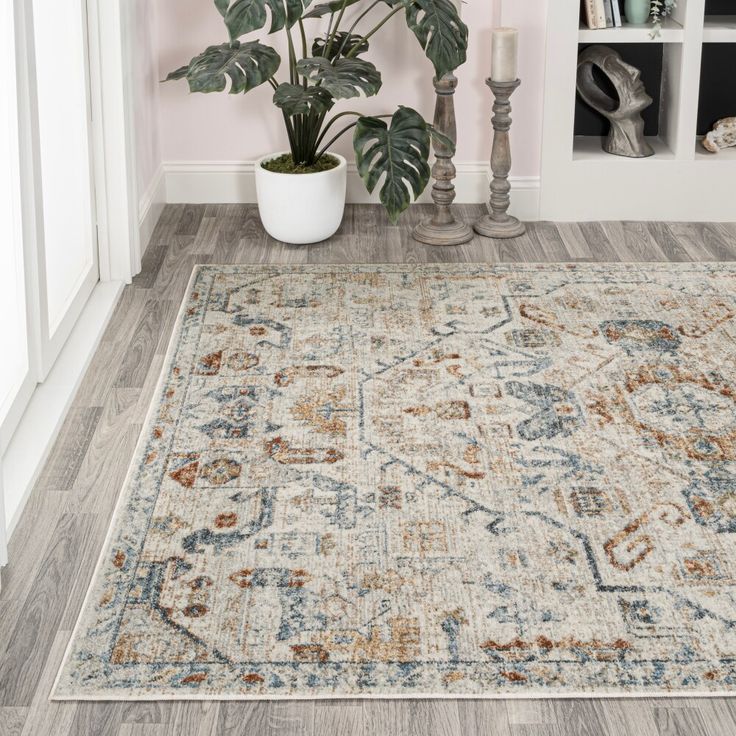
point(399, 481)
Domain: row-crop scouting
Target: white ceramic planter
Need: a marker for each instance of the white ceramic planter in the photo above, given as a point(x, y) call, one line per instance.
point(301, 208)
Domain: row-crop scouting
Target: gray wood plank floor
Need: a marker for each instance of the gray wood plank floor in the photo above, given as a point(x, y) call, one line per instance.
point(56, 544)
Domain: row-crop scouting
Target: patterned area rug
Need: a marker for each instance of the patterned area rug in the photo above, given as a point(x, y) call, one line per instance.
point(399, 481)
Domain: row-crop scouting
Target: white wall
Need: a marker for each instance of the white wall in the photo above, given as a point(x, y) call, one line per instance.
point(146, 86)
point(200, 132)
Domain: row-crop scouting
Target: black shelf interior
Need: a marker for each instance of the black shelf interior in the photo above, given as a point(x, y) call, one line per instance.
point(717, 96)
point(646, 57)
point(720, 7)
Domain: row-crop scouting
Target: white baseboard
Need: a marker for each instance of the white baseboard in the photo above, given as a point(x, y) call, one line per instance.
point(525, 197)
point(220, 182)
point(45, 413)
point(151, 206)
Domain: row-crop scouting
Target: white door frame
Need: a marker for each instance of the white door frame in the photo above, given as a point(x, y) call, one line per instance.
point(26, 230)
point(110, 30)
point(50, 335)
point(3, 527)
point(113, 137)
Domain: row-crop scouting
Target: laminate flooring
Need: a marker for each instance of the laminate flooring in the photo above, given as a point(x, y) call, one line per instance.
point(56, 544)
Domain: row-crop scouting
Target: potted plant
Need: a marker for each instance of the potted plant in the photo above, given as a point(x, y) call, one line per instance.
point(660, 10)
point(301, 193)
point(639, 12)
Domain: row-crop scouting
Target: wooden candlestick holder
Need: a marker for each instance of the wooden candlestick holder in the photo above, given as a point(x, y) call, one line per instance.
point(499, 224)
point(443, 228)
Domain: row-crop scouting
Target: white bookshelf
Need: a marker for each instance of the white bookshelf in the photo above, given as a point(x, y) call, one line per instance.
point(672, 32)
point(681, 181)
point(590, 148)
point(726, 156)
point(720, 29)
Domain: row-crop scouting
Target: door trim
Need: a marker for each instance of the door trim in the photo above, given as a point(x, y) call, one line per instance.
point(113, 137)
point(44, 416)
point(110, 38)
point(3, 535)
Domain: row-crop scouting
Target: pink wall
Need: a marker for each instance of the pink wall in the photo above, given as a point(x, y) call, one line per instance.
point(530, 17)
point(221, 127)
point(146, 89)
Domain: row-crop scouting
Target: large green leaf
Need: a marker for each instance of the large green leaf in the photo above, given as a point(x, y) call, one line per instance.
point(344, 78)
point(343, 44)
point(332, 7)
point(293, 99)
point(440, 139)
point(435, 23)
point(247, 65)
point(400, 152)
point(244, 16)
point(439, 30)
point(179, 73)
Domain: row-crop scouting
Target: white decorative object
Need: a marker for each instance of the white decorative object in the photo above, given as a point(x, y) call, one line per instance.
point(723, 135)
point(301, 208)
point(505, 55)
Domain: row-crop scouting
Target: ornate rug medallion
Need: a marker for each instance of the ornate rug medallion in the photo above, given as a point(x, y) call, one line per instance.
point(405, 481)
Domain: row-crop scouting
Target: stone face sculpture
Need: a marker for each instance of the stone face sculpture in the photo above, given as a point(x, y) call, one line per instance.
point(723, 135)
point(626, 137)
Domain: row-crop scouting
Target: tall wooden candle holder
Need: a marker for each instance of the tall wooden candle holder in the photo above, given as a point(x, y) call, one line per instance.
point(499, 224)
point(443, 228)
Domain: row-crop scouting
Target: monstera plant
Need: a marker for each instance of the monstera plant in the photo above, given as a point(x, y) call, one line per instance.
point(392, 149)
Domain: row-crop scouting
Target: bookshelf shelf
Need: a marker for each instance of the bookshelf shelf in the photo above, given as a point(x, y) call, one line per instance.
point(682, 181)
point(590, 148)
point(726, 156)
point(719, 29)
point(672, 32)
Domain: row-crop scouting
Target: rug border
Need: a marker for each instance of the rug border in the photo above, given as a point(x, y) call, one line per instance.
point(142, 439)
point(584, 695)
point(120, 502)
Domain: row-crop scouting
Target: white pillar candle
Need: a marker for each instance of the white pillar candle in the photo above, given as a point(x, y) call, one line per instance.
point(505, 55)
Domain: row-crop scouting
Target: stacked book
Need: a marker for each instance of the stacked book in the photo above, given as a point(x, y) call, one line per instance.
point(602, 13)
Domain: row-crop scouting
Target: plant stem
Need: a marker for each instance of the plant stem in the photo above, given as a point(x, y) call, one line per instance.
point(375, 29)
point(292, 57)
point(315, 123)
point(355, 25)
point(342, 132)
point(333, 121)
point(332, 140)
point(303, 34)
point(301, 148)
point(290, 135)
point(304, 38)
point(331, 38)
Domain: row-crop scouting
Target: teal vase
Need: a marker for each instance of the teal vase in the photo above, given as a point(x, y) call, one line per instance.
point(637, 11)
